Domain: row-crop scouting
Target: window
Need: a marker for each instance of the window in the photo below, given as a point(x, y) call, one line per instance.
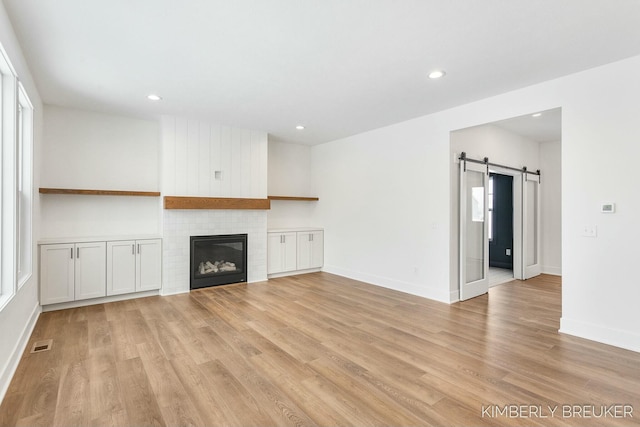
point(24, 188)
point(7, 77)
point(16, 188)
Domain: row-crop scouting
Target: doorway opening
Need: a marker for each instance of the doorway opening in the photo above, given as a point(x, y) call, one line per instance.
point(500, 218)
point(523, 144)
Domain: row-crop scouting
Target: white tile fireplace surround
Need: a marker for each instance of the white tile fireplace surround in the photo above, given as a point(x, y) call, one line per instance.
point(179, 225)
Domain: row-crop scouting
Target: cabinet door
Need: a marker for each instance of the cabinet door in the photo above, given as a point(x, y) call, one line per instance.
point(310, 249)
point(149, 264)
point(289, 247)
point(275, 263)
point(90, 270)
point(56, 273)
point(281, 252)
point(317, 249)
point(121, 267)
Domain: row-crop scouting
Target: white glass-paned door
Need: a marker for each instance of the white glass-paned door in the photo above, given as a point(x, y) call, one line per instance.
point(474, 241)
point(530, 225)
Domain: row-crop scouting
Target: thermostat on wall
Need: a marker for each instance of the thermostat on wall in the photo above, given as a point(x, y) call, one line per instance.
point(608, 207)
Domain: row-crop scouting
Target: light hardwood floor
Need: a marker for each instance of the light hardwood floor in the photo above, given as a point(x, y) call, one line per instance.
point(317, 349)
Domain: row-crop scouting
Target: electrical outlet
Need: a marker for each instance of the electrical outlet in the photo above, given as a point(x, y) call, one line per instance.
point(590, 231)
point(508, 252)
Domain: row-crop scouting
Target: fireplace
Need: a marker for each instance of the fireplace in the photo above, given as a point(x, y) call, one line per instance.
point(218, 260)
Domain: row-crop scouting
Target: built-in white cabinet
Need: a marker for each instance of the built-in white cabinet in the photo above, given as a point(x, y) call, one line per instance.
point(133, 266)
point(148, 265)
point(294, 251)
point(72, 272)
point(57, 273)
point(90, 280)
point(84, 270)
point(281, 252)
point(310, 251)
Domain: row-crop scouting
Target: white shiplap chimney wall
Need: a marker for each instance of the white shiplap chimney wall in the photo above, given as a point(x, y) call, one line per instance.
point(192, 152)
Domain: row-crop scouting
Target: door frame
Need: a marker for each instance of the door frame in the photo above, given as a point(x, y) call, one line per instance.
point(516, 251)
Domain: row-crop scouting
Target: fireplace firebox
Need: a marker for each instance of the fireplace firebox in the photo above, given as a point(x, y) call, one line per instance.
point(218, 260)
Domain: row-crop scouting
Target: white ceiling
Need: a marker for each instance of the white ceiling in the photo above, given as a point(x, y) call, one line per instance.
point(339, 67)
point(545, 126)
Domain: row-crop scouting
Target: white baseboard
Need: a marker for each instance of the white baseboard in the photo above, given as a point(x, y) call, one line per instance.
point(615, 337)
point(166, 292)
point(397, 285)
point(454, 296)
point(12, 364)
point(554, 271)
point(293, 273)
point(101, 300)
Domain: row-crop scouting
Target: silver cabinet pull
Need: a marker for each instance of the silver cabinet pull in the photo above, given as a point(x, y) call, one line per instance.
point(71, 253)
point(133, 249)
point(138, 247)
point(78, 253)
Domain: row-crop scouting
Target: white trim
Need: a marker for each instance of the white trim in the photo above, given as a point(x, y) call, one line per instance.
point(101, 300)
point(9, 369)
point(615, 337)
point(8, 233)
point(454, 296)
point(174, 291)
point(293, 273)
point(554, 271)
point(24, 246)
point(5, 299)
point(7, 66)
point(424, 291)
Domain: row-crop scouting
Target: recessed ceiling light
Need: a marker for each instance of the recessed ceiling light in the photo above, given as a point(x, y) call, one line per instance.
point(436, 74)
point(300, 127)
point(154, 97)
point(536, 115)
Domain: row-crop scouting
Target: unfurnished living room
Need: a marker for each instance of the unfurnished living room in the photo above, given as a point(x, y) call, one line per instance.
point(327, 213)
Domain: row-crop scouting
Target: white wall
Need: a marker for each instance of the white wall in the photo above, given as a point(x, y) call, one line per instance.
point(551, 207)
point(599, 149)
point(385, 199)
point(289, 174)
point(289, 169)
point(86, 150)
point(18, 317)
point(383, 204)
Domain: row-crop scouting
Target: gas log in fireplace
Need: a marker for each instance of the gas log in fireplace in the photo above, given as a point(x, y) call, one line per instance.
point(218, 260)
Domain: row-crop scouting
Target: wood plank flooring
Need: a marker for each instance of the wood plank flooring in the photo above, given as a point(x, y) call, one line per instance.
point(319, 349)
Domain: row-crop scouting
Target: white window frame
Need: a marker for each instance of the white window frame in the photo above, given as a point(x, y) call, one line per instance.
point(16, 173)
point(24, 188)
point(8, 100)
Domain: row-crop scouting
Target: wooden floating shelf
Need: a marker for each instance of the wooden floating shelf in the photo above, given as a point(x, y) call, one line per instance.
point(99, 192)
point(178, 202)
point(301, 199)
